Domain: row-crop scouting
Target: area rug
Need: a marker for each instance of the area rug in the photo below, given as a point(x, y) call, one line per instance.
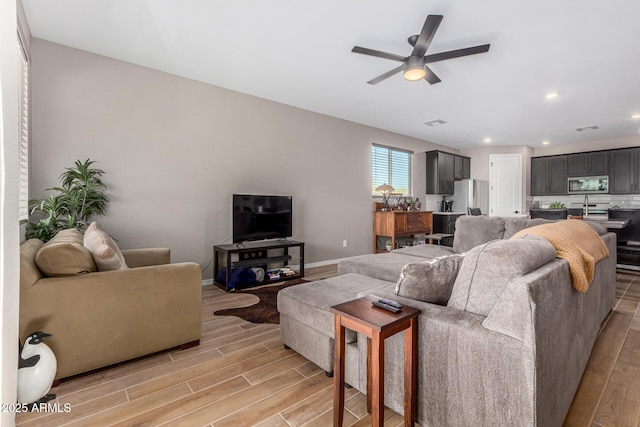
point(264, 311)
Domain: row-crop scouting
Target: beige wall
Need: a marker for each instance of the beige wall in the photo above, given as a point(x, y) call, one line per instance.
point(175, 150)
point(602, 144)
point(9, 178)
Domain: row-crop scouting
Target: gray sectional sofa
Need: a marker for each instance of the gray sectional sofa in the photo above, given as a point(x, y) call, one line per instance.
point(503, 336)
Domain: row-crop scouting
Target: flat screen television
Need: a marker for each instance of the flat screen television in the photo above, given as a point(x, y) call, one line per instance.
point(259, 217)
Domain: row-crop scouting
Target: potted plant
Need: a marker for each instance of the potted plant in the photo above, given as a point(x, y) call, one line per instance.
point(556, 205)
point(81, 196)
point(410, 203)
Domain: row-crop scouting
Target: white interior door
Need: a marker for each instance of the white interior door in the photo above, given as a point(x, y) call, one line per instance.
point(505, 184)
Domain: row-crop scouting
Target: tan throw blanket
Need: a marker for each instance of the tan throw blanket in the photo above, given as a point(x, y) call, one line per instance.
point(575, 241)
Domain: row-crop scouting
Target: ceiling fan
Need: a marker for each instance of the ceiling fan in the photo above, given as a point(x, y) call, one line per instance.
point(415, 65)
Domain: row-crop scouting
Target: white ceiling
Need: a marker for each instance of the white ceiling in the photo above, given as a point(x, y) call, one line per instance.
point(298, 52)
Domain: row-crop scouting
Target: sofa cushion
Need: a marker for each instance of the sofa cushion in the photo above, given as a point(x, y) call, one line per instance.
point(424, 251)
point(487, 269)
point(106, 253)
point(472, 231)
point(386, 266)
point(513, 225)
point(64, 255)
point(598, 228)
point(431, 280)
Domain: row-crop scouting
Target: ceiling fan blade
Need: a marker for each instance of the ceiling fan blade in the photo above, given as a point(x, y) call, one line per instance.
point(429, 28)
point(379, 54)
point(386, 75)
point(456, 53)
point(431, 76)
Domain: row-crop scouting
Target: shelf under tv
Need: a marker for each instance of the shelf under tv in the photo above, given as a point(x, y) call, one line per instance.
point(256, 254)
point(260, 261)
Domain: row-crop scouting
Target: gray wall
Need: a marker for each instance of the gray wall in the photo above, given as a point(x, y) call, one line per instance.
point(175, 150)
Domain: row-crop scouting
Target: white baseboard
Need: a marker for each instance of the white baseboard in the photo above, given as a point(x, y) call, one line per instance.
point(323, 263)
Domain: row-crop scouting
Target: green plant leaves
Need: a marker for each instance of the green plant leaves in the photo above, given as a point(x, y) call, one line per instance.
point(81, 196)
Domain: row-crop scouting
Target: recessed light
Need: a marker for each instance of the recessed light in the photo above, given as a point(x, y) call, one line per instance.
point(636, 116)
point(545, 143)
point(486, 140)
point(551, 95)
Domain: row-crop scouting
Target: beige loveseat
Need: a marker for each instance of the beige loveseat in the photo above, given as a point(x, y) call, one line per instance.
point(101, 318)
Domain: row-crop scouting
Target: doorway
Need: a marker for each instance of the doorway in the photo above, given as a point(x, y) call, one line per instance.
point(505, 184)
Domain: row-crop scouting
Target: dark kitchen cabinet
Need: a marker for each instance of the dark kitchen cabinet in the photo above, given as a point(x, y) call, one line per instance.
point(445, 223)
point(548, 175)
point(539, 171)
point(623, 176)
point(636, 175)
point(440, 172)
point(558, 175)
point(462, 167)
point(588, 164)
point(577, 164)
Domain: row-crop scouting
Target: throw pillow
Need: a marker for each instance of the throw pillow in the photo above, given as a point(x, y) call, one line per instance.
point(472, 231)
point(105, 252)
point(64, 255)
point(598, 228)
point(429, 281)
point(487, 269)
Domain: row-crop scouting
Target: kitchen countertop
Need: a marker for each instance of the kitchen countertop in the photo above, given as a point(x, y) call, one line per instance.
point(609, 223)
point(601, 219)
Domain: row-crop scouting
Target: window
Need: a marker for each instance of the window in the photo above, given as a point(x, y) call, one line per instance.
point(23, 131)
point(391, 166)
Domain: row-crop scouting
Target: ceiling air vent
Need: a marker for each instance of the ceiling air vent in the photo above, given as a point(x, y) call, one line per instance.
point(436, 122)
point(586, 128)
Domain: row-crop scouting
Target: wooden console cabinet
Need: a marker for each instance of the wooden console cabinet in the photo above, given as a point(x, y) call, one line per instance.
point(400, 223)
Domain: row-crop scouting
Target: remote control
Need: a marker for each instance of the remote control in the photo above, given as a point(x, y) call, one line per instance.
point(391, 303)
point(386, 307)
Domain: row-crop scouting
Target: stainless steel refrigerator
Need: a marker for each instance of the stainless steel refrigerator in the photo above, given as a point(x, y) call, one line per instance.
point(470, 193)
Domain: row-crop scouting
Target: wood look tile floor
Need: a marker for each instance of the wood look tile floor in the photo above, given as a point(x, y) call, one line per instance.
point(241, 375)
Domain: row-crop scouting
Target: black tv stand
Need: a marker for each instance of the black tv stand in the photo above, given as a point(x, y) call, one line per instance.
point(268, 255)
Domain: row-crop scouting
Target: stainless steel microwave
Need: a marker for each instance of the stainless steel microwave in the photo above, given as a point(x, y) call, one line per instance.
point(588, 185)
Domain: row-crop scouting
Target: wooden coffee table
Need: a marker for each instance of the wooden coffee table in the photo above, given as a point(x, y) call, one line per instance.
point(376, 324)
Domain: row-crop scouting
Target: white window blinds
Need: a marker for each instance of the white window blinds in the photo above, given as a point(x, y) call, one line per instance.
point(391, 166)
point(23, 131)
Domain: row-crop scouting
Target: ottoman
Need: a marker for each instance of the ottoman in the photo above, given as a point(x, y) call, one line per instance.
point(307, 325)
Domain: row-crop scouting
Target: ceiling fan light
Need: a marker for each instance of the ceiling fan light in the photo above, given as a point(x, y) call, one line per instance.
point(414, 68)
point(414, 74)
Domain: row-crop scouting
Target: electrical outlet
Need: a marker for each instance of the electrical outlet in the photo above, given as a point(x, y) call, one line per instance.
point(344, 243)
